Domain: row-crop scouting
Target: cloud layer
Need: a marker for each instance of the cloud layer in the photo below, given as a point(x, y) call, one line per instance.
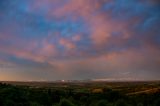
point(79, 39)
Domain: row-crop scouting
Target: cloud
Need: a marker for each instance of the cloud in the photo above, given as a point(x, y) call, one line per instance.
point(83, 38)
point(66, 43)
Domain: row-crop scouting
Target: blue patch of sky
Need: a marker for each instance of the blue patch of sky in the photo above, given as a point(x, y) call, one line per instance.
point(128, 9)
point(124, 9)
point(150, 21)
point(69, 27)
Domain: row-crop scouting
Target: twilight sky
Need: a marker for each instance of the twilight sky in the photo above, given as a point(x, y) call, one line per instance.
point(79, 39)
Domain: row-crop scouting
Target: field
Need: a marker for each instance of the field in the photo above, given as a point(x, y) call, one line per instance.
point(79, 93)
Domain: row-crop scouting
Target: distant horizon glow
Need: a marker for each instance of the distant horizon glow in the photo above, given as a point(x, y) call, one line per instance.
point(48, 40)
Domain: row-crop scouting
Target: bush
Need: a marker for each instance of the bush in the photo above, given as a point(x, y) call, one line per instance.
point(157, 102)
point(35, 104)
point(65, 102)
point(102, 103)
point(121, 103)
point(140, 104)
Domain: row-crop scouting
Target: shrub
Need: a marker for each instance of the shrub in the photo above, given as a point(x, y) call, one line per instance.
point(121, 103)
point(157, 102)
point(65, 102)
point(102, 103)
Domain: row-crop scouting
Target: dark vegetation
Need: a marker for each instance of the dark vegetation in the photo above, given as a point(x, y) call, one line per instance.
point(80, 94)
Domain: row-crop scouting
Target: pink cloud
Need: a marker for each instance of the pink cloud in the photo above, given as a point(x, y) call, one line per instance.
point(33, 50)
point(48, 49)
point(76, 38)
point(101, 25)
point(67, 44)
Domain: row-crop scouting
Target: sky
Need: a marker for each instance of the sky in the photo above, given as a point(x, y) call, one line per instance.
point(47, 40)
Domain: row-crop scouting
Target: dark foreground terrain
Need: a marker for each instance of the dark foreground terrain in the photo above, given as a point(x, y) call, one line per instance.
point(80, 93)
